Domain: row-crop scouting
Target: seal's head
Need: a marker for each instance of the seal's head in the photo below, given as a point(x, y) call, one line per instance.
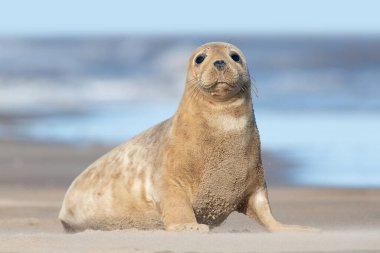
point(219, 71)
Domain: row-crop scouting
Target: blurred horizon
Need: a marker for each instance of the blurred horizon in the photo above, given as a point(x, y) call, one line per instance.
point(113, 69)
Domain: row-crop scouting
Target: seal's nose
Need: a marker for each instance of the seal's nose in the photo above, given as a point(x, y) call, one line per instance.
point(219, 64)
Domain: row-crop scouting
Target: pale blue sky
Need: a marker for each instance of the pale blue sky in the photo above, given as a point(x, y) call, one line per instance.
point(76, 17)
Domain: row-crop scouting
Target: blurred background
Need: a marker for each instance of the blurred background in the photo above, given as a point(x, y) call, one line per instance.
point(79, 74)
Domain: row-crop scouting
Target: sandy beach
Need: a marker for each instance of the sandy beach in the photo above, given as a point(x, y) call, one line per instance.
point(35, 176)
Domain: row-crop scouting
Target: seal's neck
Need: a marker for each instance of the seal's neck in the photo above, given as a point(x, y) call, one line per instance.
point(200, 110)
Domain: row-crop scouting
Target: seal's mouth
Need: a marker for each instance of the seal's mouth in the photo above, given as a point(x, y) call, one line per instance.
point(218, 85)
point(220, 89)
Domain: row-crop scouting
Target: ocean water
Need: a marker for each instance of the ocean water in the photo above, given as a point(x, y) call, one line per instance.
point(332, 149)
point(318, 98)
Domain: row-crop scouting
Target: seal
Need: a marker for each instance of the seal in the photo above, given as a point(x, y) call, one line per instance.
point(188, 172)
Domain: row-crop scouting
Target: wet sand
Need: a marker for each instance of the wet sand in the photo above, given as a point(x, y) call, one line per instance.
point(34, 177)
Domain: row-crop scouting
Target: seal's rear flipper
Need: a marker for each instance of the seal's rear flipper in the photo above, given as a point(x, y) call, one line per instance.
point(68, 228)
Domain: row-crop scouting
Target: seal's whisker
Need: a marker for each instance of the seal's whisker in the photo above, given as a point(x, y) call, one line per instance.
point(194, 91)
point(255, 90)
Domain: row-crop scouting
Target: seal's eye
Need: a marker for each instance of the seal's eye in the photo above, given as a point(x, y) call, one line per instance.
point(235, 57)
point(200, 58)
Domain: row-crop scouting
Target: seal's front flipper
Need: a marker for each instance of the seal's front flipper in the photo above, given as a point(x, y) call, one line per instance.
point(177, 212)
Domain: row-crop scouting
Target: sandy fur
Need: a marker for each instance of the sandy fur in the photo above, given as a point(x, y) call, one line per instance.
point(119, 183)
point(189, 172)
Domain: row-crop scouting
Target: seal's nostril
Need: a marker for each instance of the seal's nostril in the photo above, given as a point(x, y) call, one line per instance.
point(219, 64)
